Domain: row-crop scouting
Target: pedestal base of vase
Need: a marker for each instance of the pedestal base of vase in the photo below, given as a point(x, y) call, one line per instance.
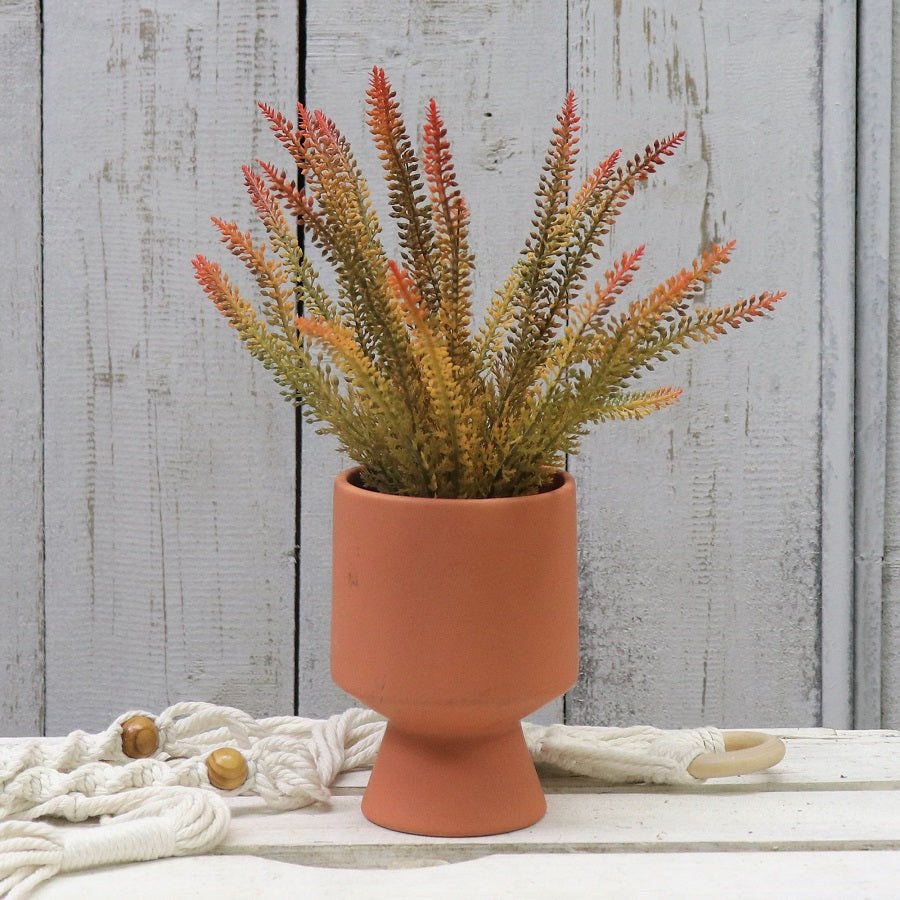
point(454, 787)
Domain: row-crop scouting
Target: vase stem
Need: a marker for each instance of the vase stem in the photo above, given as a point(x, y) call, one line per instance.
point(441, 786)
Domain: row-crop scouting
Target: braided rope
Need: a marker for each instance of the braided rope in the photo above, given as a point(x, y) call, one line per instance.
point(151, 807)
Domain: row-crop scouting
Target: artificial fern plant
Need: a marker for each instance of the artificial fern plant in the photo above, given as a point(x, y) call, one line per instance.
point(392, 365)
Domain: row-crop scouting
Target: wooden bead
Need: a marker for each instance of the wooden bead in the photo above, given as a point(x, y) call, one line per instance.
point(140, 737)
point(227, 768)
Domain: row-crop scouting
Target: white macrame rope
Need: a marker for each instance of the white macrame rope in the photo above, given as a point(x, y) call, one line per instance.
point(623, 755)
point(150, 823)
point(164, 805)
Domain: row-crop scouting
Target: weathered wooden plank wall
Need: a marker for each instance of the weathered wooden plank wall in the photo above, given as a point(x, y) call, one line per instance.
point(169, 471)
point(700, 526)
point(165, 566)
point(21, 485)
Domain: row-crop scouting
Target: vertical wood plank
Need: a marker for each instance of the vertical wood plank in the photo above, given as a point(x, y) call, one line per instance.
point(890, 662)
point(839, 76)
point(21, 489)
point(700, 526)
point(170, 470)
point(873, 237)
point(498, 73)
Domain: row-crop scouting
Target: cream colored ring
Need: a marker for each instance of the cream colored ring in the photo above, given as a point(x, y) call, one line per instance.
point(745, 752)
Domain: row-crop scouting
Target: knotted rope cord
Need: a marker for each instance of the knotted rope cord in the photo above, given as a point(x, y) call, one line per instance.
point(151, 807)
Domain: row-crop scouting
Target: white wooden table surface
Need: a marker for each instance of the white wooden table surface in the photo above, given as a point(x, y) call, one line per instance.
point(825, 822)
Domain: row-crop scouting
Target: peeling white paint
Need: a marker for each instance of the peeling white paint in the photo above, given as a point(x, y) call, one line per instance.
point(21, 488)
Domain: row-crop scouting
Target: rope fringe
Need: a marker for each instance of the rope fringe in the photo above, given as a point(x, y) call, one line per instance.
point(165, 805)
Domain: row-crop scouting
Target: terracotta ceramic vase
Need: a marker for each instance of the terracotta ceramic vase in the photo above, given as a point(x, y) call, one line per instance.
point(454, 619)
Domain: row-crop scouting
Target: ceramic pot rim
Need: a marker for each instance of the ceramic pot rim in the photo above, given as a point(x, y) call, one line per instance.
point(562, 480)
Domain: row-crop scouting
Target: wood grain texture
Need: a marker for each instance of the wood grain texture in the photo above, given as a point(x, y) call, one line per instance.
point(21, 488)
point(602, 822)
point(890, 645)
point(839, 77)
point(170, 455)
point(812, 875)
point(700, 526)
point(834, 791)
point(873, 226)
point(498, 74)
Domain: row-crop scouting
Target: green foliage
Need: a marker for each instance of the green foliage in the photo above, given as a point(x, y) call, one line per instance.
point(392, 366)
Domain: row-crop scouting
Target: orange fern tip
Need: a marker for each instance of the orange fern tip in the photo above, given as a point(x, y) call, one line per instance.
point(227, 230)
point(663, 396)
point(434, 134)
point(216, 286)
point(378, 78)
point(277, 120)
point(284, 130)
point(631, 262)
point(656, 154)
point(381, 94)
point(433, 118)
point(720, 251)
point(206, 272)
point(655, 401)
point(568, 118)
point(768, 299)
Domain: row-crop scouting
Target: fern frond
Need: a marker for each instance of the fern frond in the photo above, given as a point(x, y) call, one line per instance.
point(706, 324)
point(226, 297)
point(675, 292)
point(531, 292)
point(342, 195)
point(599, 201)
point(565, 422)
point(269, 274)
point(579, 339)
point(282, 235)
point(644, 333)
point(334, 180)
point(446, 394)
point(300, 205)
point(286, 362)
point(409, 204)
point(358, 369)
point(585, 320)
point(498, 321)
point(289, 136)
point(450, 215)
point(341, 346)
point(634, 405)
